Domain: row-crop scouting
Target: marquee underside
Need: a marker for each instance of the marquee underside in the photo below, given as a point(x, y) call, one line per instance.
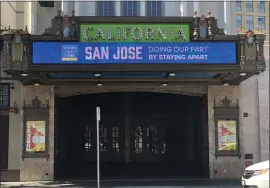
point(115, 78)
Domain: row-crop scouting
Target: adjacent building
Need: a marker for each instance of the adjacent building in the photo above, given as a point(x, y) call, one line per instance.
point(241, 88)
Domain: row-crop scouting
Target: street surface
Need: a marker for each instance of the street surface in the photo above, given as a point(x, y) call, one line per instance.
point(189, 183)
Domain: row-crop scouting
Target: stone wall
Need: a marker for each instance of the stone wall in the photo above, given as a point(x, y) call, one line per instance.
point(223, 167)
point(263, 87)
point(32, 169)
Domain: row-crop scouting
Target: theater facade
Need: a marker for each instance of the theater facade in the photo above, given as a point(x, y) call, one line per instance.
point(168, 89)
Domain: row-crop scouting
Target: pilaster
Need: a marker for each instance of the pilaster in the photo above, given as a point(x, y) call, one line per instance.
point(223, 166)
point(39, 169)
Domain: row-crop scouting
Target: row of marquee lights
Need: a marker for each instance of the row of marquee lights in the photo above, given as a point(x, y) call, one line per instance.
point(24, 74)
point(136, 33)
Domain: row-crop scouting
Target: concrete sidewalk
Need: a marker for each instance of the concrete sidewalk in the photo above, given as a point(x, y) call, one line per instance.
point(130, 184)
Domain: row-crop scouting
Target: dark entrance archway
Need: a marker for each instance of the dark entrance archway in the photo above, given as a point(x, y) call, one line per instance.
point(142, 134)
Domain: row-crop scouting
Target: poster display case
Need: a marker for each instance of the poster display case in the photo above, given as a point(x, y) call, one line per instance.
point(36, 130)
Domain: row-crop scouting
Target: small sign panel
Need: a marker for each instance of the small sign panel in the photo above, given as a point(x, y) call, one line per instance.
point(69, 52)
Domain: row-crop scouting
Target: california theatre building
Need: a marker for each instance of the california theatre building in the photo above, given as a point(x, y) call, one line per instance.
point(168, 89)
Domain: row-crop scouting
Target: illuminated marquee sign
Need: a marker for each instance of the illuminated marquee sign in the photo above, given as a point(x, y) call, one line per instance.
point(134, 32)
point(134, 53)
point(134, 44)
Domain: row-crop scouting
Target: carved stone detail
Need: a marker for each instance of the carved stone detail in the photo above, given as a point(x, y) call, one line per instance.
point(59, 20)
point(35, 103)
point(209, 19)
point(226, 103)
point(196, 19)
point(73, 19)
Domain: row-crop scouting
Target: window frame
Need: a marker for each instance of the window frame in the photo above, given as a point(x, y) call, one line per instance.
point(259, 8)
point(3, 85)
point(252, 6)
point(122, 7)
point(241, 6)
point(237, 16)
point(251, 16)
point(162, 8)
point(263, 28)
point(98, 10)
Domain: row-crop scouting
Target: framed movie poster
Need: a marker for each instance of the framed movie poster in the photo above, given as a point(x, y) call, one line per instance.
point(35, 137)
point(227, 135)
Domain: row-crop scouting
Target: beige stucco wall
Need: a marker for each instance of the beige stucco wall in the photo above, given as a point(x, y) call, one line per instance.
point(32, 169)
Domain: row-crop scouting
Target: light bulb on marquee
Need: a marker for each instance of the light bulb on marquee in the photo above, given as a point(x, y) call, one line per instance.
point(171, 33)
point(162, 33)
point(125, 33)
point(149, 33)
point(100, 34)
point(134, 30)
point(181, 34)
point(85, 31)
point(109, 33)
point(119, 33)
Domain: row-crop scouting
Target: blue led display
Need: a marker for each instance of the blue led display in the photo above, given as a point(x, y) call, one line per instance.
point(134, 53)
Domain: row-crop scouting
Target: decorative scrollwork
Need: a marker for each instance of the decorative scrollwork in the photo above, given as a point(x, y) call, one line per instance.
point(36, 103)
point(226, 103)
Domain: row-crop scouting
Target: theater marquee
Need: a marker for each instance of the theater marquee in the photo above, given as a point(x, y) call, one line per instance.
point(135, 44)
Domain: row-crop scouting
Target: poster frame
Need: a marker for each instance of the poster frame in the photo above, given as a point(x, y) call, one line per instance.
point(35, 111)
point(227, 153)
point(36, 154)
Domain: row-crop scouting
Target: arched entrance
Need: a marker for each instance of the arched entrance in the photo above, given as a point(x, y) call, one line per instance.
point(142, 134)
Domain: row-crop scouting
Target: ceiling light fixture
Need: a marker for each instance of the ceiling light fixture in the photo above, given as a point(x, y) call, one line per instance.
point(243, 74)
point(171, 74)
point(99, 84)
point(24, 74)
point(164, 84)
point(97, 74)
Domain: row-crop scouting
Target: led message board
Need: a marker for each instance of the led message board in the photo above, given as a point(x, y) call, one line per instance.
point(134, 32)
point(134, 53)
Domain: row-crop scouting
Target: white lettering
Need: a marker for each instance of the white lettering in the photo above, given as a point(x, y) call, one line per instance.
point(96, 53)
point(124, 53)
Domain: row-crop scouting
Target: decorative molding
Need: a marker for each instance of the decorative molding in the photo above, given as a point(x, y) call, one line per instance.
point(226, 103)
point(36, 103)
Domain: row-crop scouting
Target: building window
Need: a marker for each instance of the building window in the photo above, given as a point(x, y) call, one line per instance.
point(261, 22)
point(130, 8)
point(105, 8)
point(250, 22)
point(239, 21)
point(153, 8)
point(239, 6)
point(249, 6)
point(4, 96)
point(261, 6)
